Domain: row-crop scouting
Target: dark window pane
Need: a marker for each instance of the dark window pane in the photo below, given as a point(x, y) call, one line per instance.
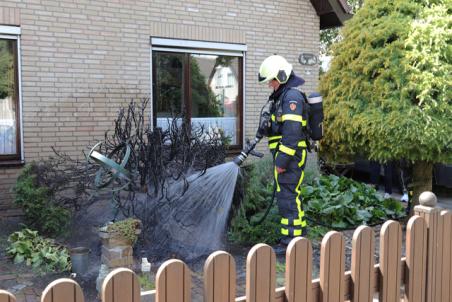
point(214, 82)
point(169, 83)
point(8, 98)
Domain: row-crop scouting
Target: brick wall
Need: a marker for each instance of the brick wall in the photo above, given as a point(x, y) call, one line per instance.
point(82, 59)
point(9, 16)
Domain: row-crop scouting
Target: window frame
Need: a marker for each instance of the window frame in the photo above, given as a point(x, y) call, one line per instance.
point(188, 47)
point(13, 33)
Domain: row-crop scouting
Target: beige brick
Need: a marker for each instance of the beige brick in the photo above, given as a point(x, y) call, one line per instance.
point(118, 262)
point(117, 252)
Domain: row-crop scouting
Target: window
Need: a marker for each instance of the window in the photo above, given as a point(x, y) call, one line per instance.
point(204, 87)
point(10, 134)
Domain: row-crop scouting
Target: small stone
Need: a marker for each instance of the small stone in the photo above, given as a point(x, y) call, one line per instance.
point(27, 283)
point(428, 199)
point(17, 288)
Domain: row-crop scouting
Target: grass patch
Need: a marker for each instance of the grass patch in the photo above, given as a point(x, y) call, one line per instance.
point(145, 283)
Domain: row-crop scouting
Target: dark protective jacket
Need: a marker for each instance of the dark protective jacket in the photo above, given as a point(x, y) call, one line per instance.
point(287, 139)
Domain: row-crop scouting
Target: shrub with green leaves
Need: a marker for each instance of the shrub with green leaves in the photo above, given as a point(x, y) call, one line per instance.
point(40, 253)
point(342, 203)
point(387, 94)
point(127, 228)
point(332, 201)
point(258, 178)
point(258, 184)
point(36, 202)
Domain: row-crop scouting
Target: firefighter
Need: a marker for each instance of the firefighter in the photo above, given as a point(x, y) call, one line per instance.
point(287, 142)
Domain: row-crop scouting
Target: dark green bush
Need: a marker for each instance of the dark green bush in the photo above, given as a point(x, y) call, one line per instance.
point(36, 202)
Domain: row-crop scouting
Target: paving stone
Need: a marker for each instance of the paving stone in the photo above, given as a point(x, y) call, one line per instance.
point(7, 277)
point(27, 283)
point(29, 291)
point(8, 283)
point(17, 288)
point(31, 298)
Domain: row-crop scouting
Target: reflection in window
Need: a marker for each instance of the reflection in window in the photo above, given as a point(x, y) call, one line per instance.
point(212, 97)
point(168, 84)
point(9, 142)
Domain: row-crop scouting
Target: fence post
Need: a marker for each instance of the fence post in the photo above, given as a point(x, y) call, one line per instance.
point(121, 284)
point(332, 267)
point(446, 276)
point(390, 261)
point(173, 282)
point(428, 210)
point(299, 270)
point(219, 278)
point(261, 274)
point(6, 296)
point(363, 262)
point(416, 260)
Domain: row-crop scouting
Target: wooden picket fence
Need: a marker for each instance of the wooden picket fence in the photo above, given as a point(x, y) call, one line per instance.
point(423, 275)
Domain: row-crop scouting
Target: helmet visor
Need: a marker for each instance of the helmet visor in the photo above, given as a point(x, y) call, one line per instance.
point(262, 79)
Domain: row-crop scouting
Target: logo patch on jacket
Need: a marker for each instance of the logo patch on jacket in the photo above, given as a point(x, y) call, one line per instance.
point(293, 106)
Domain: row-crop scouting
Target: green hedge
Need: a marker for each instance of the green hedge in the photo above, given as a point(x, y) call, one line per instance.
point(36, 202)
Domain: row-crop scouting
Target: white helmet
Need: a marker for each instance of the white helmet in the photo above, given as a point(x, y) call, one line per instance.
point(275, 67)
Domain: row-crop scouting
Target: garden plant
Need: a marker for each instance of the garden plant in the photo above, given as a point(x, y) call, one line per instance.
point(329, 202)
point(387, 95)
point(40, 253)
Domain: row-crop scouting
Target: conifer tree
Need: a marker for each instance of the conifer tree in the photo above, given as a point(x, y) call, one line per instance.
point(387, 95)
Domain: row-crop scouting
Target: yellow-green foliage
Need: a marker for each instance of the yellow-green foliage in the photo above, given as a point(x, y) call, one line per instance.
point(387, 94)
point(127, 228)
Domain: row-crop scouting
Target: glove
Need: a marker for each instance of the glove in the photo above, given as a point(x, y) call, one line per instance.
point(265, 119)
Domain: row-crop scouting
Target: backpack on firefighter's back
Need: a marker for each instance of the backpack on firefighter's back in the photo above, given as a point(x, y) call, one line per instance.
point(313, 107)
point(315, 116)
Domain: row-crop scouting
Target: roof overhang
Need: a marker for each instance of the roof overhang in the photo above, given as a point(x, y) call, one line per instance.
point(332, 13)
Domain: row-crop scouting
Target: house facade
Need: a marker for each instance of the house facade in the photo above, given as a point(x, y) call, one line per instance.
point(67, 66)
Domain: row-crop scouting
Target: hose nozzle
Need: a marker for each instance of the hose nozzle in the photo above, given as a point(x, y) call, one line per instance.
point(239, 159)
point(249, 149)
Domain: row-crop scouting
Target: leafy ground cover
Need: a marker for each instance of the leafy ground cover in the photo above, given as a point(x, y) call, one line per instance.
point(330, 203)
point(38, 252)
point(343, 203)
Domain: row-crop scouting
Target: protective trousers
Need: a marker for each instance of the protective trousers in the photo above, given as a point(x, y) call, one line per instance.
point(289, 199)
